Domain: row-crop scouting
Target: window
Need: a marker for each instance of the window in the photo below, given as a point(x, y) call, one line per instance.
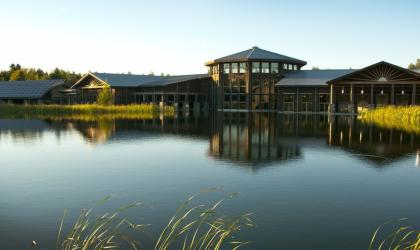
point(295, 67)
point(274, 68)
point(255, 67)
point(234, 68)
point(265, 67)
point(226, 68)
point(285, 66)
point(242, 68)
point(290, 67)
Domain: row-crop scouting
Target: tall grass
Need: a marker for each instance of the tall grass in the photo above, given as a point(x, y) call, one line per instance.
point(84, 111)
point(193, 227)
point(403, 118)
point(400, 238)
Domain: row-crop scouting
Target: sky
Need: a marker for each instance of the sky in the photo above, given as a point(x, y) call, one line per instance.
point(177, 37)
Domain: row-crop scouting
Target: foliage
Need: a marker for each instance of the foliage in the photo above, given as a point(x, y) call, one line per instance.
point(402, 237)
point(404, 118)
point(17, 73)
point(105, 97)
point(192, 227)
point(86, 112)
point(414, 66)
point(315, 68)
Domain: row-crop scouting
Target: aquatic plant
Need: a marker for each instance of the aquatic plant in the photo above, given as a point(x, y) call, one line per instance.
point(84, 111)
point(403, 118)
point(192, 227)
point(400, 238)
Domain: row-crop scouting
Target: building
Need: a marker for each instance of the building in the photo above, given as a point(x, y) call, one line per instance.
point(246, 80)
point(185, 91)
point(258, 79)
point(31, 92)
point(250, 80)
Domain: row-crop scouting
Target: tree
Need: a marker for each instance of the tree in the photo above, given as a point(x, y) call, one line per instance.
point(315, 68)
point(418, 64)
point(411, 66)
point(105, 97)
point(17, 75)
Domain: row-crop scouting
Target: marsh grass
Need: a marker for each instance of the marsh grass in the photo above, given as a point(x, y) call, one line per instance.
point(84, 111)
point(403, 118)
point(193, 227)
point(400, 238)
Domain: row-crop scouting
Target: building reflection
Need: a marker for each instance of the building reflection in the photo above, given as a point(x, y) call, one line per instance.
point(251, 140)
point(370, 142)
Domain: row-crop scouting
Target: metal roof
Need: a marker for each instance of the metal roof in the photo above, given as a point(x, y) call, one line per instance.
point(129, 80)
point(256, 54)
point(312, 77)
point(35, 89)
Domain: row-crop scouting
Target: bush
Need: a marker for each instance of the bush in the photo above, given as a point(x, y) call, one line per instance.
point(105, 97)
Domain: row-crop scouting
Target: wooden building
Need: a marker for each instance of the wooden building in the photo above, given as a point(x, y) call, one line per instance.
point(31, 92)
point(246, 80)
point(185, 91)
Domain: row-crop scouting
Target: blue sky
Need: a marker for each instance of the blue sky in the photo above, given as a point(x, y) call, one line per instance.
point(177, 37)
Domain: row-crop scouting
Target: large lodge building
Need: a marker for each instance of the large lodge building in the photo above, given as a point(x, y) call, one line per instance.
point(251, 80)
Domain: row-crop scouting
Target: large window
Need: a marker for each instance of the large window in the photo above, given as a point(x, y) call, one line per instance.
point(285, 66)
point(265, 67)
point(234, 68)
point(295, 67)
point(290, 67)
point(274, 68)
point(226, 68)
point(242, 68)
point(255, 67)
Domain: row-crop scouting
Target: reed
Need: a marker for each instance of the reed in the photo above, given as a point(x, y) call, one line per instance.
point(192, 227)
point(84, 111)
point(400, 238)
point(403, 118)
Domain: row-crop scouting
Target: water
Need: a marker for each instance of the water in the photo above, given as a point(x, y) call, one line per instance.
point(311, 182)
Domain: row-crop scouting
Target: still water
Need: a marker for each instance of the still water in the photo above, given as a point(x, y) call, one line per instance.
point(312, 182)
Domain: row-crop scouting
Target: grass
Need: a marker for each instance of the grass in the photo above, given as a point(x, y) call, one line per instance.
point(403, 118)
point(193, 227)
point(83, 111)
point(400, 238)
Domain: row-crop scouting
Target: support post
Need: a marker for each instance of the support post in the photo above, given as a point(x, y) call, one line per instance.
point(372, 98)
point(392, 94)
point(413, 97)
point(332, 100)
point(352, 105)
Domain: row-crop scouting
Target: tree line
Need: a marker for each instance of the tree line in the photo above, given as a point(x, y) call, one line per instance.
point(414, 66)
point(17, 73)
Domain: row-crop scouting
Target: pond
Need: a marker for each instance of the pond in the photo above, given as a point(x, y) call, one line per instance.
point(311, 181)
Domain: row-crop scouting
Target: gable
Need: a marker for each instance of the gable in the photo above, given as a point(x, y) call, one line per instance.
point(379, 72)
point(89, 81)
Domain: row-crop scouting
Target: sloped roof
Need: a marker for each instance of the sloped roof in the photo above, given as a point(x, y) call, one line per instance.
point(133, 81)
point(256, 54)
point(27, 89)
point(312, 77)
point(174, 79)
point(376, 72)
point(416, 70)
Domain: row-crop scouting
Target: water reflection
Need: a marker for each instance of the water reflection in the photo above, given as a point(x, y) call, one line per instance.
point(249, 140)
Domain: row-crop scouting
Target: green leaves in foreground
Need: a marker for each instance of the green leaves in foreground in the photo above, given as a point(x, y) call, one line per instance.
point(401, 238)
point(192, 227)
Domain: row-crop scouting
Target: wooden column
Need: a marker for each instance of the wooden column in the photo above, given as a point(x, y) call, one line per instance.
point(413, 95)
point(372, 101)
point(297, 100)
point(352, 105)
point(392, 94)
point(315, 109)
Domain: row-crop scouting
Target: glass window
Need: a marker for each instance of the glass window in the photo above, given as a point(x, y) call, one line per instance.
point(242, 67)
point(295, 67)
point(284, 66)
point(290, 67)
point(234, 68)
point(265, 67)
point(226, 68)
point(255, 67)
point(274, 68)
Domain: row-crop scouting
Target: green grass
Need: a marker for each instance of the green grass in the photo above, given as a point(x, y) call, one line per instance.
point(399, 238)
point(193, 227)
point(403, 118)
point(83, 111)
